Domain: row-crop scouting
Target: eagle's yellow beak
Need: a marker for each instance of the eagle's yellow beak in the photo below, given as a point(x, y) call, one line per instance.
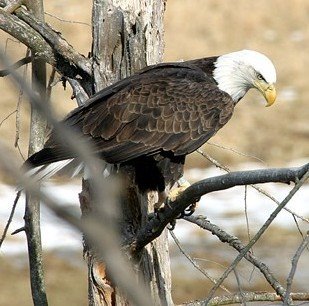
point(268, 91)
point(270, 95)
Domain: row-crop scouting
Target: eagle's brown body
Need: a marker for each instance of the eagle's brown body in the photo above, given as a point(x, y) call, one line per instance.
point(150, 120)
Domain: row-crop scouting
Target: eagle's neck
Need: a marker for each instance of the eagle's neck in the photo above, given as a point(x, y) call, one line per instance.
point(232, 76)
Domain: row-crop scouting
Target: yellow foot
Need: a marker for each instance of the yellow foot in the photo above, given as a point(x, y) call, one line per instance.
point(182, 185)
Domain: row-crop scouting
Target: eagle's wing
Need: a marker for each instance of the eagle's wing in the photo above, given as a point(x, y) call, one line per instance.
point(172, 108)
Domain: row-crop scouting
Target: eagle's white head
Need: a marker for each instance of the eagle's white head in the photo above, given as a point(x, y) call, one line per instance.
point(239, 71)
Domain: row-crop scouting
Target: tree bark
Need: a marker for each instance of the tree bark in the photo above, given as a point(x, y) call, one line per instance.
point(127, 36)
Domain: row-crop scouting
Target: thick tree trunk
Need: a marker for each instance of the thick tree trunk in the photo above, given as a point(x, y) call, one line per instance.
point(127, 36)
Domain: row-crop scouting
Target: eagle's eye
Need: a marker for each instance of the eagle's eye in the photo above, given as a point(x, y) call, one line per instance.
point(260, 77)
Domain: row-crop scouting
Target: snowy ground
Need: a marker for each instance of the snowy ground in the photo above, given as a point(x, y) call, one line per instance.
point(225, 208)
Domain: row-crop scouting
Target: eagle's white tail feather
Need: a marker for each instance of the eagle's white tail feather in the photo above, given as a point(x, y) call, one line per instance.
point(46, 171)
point(69, 167)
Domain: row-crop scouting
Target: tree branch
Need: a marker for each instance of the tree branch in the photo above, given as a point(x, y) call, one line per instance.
point(249, 297)
point(191, 195)
point(237, 245)
point(56, 41)
point(47, 44)
point(24, 33)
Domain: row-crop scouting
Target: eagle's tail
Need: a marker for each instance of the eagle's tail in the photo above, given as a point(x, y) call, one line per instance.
point(51, 161)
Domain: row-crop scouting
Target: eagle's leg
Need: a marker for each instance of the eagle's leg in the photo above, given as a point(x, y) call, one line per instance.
point(162, 196)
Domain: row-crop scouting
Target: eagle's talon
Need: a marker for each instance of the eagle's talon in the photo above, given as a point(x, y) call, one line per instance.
point(191, 209)
point(172, 225)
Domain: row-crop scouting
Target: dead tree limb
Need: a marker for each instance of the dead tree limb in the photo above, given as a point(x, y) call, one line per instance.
point(48, 45)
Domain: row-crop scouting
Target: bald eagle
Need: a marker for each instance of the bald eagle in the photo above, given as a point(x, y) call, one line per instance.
point(154, 118)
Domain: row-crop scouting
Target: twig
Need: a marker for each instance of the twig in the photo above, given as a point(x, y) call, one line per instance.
point(24, 61)
point(258, 235)
point(195, 265)
point(236, 151)
point(295, 259)
point(241, 293)
point(19, 230)
point(67, 21)
point(10, 218)
point(7, 117)
point(236, 243)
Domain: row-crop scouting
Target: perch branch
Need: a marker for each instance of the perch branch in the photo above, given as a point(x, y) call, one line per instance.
point(170, 212)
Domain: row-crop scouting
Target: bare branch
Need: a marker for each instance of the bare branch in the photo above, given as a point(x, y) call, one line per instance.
point(47, 44)
point(236, 243)
point(295, 259)
point(170, 212)
point(249, 297)
point(54, 39)
point(10, 218)
point(7, 117)
point(28, 36)
point(260, 233)
point(235, 151)
point(67, 21)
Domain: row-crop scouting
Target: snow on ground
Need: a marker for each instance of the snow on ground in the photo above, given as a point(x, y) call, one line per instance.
point(225, 208)
point(55, 232)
